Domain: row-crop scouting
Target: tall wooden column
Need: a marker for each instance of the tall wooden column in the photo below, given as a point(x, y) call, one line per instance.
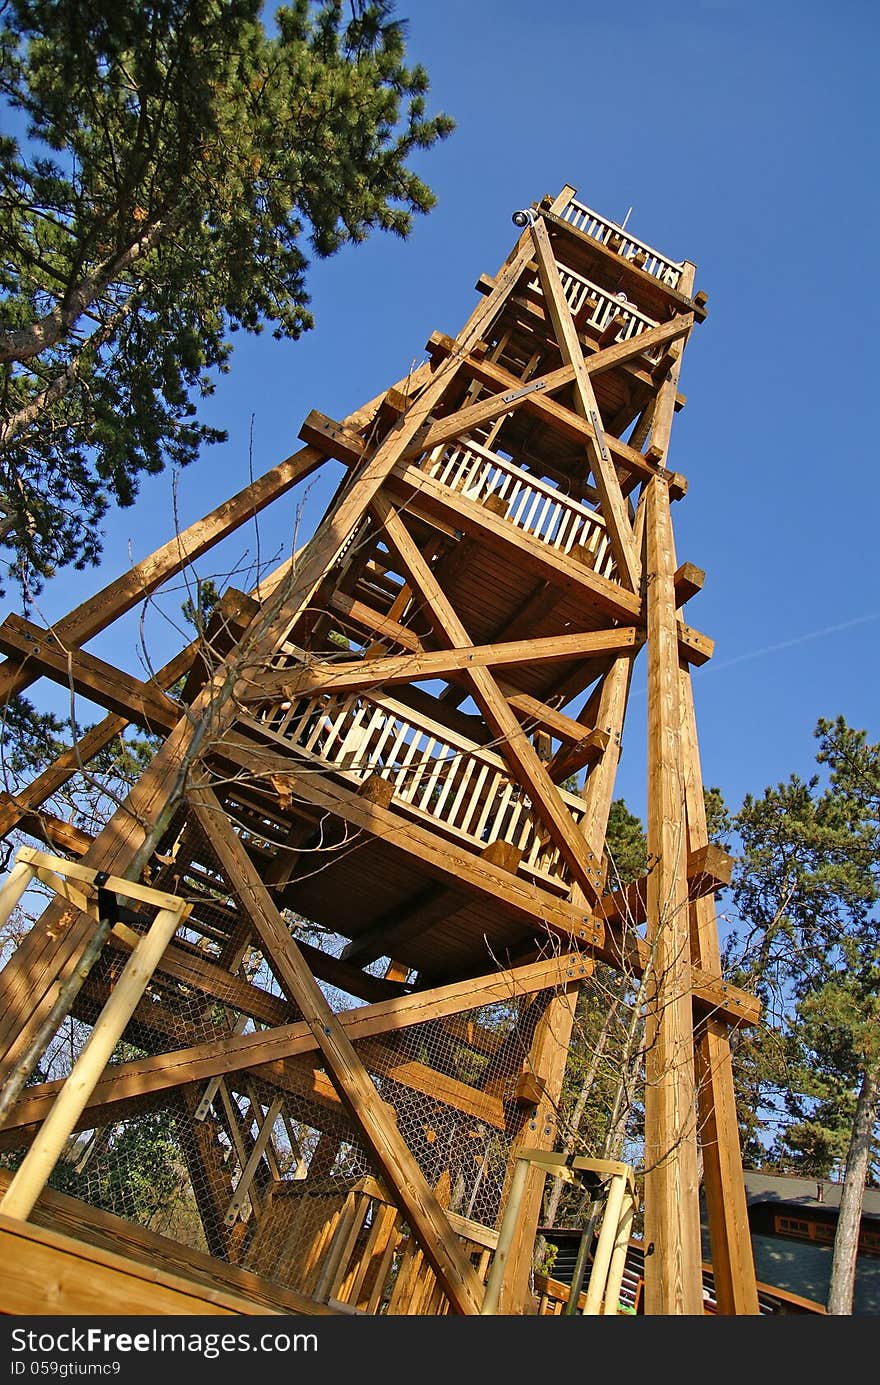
point(673, 1276)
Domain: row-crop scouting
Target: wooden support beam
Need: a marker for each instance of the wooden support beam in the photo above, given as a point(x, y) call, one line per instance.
point(397, 1168)
point(370, 619)
point(673, 1275)
point(150, 1077)
point(688, 581)
point(417, 916)
point(709, 868)
point(62, 770)
point(733, 1264)
point(393, 669)
point(605, 477)
point(515, 747)
point(664, 410)
point(118, 692)
point(43, 1271)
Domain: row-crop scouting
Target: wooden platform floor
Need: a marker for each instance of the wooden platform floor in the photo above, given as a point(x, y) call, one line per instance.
point(73, 1259)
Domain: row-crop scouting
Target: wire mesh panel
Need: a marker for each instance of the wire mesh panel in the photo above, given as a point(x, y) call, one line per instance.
point(272, 1177)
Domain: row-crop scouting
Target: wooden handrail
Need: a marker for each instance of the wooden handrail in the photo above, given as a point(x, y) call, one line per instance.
point(583, 218)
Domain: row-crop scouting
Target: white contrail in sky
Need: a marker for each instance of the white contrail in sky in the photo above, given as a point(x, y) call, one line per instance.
point(774, 648)
point(798, 639)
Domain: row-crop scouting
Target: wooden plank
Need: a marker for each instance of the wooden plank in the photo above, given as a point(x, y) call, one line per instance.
point(141, 703)
point(727, 1212)
point(49, 1274)
point(605, 477)
point(397, 668)
point(516, 749)
point(402, 1175)
point(575, 927)
point(124, 1082)
point(68, 1216)
point(673, 1280)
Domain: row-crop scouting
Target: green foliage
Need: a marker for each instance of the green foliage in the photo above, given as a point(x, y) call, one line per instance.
point(180, 160)
point(198, 609)
point(806, 891)
point(719, 824)
point(626, 845)
point(29, 741)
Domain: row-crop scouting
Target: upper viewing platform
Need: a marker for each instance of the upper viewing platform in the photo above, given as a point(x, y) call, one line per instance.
point(622, 242)
point(608, 253)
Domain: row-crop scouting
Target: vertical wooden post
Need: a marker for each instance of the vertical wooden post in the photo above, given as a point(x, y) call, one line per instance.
point(618, 1258)
point(42, 1156)
point(547, 1059)
point(673, 1274)
point(733, 1264)
point(506, 1236)
point(611, 1219)
point(13, 888)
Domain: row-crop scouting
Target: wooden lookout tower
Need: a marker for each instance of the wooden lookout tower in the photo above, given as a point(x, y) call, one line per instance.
point(333, 939)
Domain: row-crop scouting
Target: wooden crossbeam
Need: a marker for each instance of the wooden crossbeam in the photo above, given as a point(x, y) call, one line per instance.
point(317, 675)
point(516, 749)
point(574, 926)
point(497, 405)
point(399, 1170)
point(93, 678)
point(143, 1077)
point(607, 483)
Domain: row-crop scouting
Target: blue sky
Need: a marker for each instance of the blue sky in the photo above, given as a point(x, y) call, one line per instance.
point(744, 137)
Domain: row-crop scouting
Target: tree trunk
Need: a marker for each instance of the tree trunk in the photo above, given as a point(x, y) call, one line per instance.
point(846, 1240)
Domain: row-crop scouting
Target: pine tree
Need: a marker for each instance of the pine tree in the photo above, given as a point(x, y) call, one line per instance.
point(177, 162)
point(806, 891)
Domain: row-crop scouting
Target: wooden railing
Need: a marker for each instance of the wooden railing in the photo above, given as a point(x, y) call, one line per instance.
point(600, 307)
point(583, 218)
point(437, 775)
point(533, 505)
point(350, 1248)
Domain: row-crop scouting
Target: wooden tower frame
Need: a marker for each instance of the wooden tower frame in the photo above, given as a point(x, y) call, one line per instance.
point(497, 554)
